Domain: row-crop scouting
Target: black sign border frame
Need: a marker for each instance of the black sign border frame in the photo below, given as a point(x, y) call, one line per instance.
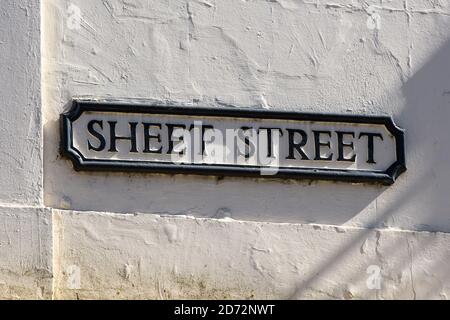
point(80, 163)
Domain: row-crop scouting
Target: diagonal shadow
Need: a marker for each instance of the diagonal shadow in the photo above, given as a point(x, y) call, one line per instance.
point(424, 192)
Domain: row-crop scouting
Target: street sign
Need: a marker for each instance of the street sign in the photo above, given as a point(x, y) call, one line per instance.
point(108, 136)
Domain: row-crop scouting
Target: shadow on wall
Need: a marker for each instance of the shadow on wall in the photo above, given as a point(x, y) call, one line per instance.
point(421, 191)
point(217, 197)
point(425, 198)
point(263, 199)
point(426, 116)
point(238, 198)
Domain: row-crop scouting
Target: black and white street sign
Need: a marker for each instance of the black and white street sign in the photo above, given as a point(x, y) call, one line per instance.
point(111, 136)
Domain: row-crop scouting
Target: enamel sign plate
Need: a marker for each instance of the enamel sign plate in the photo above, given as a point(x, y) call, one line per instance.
point(108, 136)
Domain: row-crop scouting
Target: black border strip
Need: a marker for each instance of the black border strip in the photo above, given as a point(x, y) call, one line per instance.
point(81, 163)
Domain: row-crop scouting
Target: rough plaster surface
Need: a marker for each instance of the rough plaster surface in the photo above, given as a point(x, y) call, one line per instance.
point(370, 57)
point(20, 111)
point(25, 253)
point(25, 226)
point(114, 256)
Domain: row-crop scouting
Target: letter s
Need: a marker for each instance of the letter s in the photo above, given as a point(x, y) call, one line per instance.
point(96, 134)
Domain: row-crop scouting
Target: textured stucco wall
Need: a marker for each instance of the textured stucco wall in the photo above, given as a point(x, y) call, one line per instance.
point(112, 235)
point(26, 253)
point(25, 225)
point(20, 92)
point(148, 256)
point(371, 57)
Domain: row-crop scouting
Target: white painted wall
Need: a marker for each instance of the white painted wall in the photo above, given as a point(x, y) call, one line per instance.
point(286, 239)
point(106, 256)
point(25, 225)
point(20, 92)
point(280, 55)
